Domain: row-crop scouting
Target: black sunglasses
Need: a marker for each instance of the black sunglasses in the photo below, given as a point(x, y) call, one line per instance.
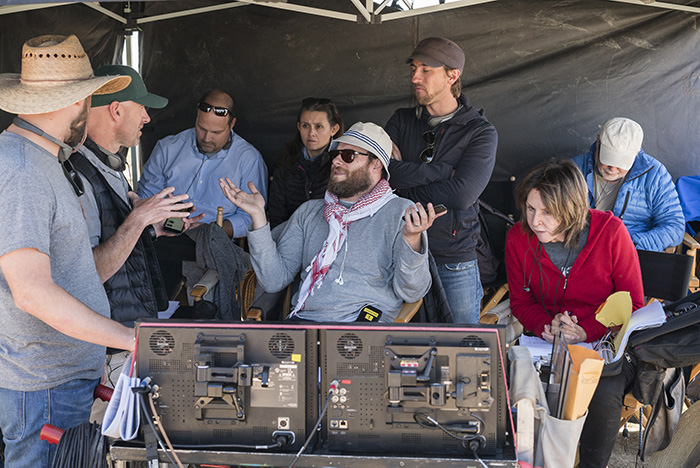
point(427, 154)
point(348, 155)
point(218, 111)
point(75, 181)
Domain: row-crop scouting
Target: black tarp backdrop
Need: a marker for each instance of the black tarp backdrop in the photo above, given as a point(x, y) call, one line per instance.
point(546, 72)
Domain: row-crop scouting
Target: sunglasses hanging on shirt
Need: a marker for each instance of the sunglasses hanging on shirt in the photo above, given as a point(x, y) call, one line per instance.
point(427, 154)
point(63, 154)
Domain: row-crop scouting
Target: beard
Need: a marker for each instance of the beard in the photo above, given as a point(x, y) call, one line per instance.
point(424, 98)
point(77, 130)
point(355, 182)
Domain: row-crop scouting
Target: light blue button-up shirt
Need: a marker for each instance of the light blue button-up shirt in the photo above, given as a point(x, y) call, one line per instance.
point(177, 162)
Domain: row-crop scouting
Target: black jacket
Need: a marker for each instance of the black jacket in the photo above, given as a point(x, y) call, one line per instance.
point(136, 290)
point(465, 154)
point(295, 183)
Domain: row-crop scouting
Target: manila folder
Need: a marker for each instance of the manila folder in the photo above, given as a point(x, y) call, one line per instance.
point(586, 367)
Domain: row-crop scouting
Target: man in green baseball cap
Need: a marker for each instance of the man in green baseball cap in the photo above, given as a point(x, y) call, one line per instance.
point(136, 91)
point(122, 227)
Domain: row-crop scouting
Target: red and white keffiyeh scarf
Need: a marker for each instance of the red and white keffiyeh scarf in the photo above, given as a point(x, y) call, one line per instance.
point(339, 218)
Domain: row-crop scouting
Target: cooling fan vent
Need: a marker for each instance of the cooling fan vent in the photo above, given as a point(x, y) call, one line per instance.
point(350, 346)
point(281, 345)
point(472, 341)
point(161, 343)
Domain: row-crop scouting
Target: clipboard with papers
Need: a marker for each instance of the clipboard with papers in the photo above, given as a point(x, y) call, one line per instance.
point(574, 370)
point(616, 311)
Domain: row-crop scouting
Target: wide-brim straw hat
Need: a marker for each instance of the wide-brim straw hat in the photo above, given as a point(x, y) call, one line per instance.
point(56, 73)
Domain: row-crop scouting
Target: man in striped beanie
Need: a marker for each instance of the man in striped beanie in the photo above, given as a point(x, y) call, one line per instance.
point(362, 251)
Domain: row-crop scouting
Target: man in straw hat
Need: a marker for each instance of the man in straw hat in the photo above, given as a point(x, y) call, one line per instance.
point(53, 308)
point(361, 252)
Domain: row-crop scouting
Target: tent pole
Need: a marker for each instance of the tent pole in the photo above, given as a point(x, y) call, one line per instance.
point(104, 11)
point(667, 6)
point(431, 9)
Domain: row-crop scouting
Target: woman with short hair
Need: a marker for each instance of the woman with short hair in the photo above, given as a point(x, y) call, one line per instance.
point(563, 261)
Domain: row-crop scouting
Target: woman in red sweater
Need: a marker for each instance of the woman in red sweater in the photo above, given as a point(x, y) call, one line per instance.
point(563, 259)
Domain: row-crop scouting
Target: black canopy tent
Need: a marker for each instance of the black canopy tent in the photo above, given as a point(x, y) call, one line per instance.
point(546, 72)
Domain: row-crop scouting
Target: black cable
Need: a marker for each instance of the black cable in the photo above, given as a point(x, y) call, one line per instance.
point(196, 174)
point(334, 385)
point(474, 445)
point(432, 423)
point(566, 281)
point(81, 446)
point(538, 257)
point(149, 418)
point(280, 443)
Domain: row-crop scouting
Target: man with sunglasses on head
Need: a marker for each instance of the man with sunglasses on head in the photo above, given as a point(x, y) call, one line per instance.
point(193, 160)
point(361, 251)
point(444, 152)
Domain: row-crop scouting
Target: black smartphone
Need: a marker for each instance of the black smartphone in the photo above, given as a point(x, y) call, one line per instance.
point(175, 225)
point(439, 208)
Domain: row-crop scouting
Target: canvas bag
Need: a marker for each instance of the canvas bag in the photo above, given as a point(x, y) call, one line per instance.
point(542, 440)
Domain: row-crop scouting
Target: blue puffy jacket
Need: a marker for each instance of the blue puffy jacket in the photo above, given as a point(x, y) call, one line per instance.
point(647, 202)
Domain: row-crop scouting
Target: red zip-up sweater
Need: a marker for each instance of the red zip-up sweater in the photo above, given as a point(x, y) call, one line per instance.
point(608, 263)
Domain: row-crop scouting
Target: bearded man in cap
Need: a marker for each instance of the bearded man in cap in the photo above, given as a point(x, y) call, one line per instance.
point(122, 227)
point(444, 152)
point(362, 251)
point(637, 188)
point(53, 308)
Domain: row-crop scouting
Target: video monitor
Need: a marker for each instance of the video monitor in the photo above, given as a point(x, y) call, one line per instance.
point(414, 390)
point(224, 384)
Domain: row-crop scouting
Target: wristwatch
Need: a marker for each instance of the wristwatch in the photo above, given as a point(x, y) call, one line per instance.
point(152, 231)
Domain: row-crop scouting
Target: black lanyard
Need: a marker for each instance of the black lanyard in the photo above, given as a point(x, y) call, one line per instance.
point(63, 154)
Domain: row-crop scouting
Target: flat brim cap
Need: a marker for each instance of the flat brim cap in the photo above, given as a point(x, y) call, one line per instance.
point(136, 91)
point(371, 137)
point(437, 52)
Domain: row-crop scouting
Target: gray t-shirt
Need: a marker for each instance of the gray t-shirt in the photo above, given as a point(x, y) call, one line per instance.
point(42, 212)
point(606, 192)
point(564, 257)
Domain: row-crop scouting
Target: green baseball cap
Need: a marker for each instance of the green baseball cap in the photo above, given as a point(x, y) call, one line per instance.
point(136, 91)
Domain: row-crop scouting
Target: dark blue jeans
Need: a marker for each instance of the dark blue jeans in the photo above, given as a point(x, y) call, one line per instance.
point(463, 290)
point(23, 414)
